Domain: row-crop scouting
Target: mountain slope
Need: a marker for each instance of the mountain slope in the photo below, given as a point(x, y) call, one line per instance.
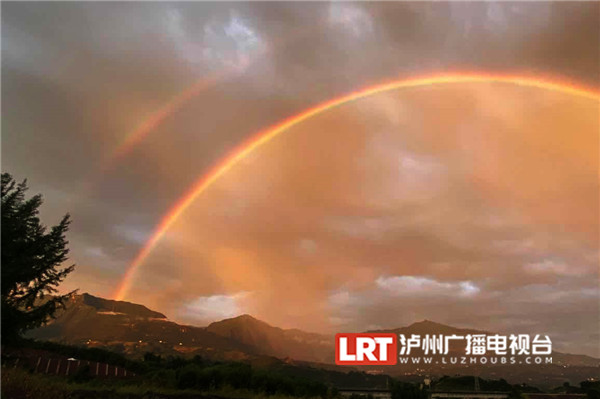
point(109, 305)
point(132, 329)
point(430, 327)
point(564, 367)
point(276, 341)
point(425, 327)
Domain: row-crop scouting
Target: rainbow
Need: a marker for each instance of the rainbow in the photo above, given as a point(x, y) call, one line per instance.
point(159, 116)
point(178, 101)
point(264, 136)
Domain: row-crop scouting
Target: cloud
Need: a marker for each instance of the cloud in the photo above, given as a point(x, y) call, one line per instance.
point(417, 285)
point(551, 267)
point(222, 43)
point(473, 205)
point(351, 18)
point(214, 307)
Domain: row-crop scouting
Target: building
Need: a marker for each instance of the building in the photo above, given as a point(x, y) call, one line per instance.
point(367, 392)
point(467, 395)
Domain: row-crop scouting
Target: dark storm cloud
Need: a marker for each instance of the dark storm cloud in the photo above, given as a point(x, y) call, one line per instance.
point(77, 78)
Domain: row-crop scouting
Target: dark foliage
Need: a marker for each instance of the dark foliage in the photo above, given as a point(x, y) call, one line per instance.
point(243, 376)
point(31, 260)
point(83, 353)
point(403, 390)
point(83, 374)
point(589, 388)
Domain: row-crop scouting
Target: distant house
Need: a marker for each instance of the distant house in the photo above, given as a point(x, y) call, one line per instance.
point(366, 393)
point(468, 395)
point(556, 395)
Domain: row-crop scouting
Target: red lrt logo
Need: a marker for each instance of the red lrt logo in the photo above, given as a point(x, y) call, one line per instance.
point(371, 349)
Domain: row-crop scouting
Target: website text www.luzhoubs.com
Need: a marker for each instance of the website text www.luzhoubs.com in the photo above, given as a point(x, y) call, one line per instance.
point(475, 360)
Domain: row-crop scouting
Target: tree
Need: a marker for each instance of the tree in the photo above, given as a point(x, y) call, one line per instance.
point(31, 261)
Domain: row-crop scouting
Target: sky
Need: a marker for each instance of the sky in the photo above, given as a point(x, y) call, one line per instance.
point(471, 204)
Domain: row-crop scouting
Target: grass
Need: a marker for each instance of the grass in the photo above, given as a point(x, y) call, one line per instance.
point(18, 383)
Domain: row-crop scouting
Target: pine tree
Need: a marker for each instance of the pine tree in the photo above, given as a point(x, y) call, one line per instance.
point(31, 261)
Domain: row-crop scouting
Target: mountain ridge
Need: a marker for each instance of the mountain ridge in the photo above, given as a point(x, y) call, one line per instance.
point(134, 330)
point(119, 306)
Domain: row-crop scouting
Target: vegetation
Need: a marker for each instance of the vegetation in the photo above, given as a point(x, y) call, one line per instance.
point(201, 374)
point(173, 377)
point(31, 261)
point(466, 383)
point(589, 388)
point(18, 383)
point(519, 391)
point(403, 390)
point(84, 353)
point(178, 378)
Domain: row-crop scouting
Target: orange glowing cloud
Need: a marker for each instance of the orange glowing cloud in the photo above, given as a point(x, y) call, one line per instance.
point(264, 136)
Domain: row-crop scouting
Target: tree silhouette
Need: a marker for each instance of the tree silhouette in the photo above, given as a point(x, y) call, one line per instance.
point(31, 260)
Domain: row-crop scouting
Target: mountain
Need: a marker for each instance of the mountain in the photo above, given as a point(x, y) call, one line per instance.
point(275, 341)
point(427, 327)
point(122, 307)
point(430, 327)
point(564, 367)
point(134, 330)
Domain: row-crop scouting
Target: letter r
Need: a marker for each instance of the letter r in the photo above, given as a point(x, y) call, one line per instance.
point(365, 346)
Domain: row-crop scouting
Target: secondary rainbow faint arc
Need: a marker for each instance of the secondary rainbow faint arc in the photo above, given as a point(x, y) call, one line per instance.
point(159, 116)
point(264, 136)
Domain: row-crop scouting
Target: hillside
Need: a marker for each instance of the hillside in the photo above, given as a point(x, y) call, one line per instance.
point(122, 307)
point(564, 367)
point(274, 341)
point(425, 327)
point(134, 330)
